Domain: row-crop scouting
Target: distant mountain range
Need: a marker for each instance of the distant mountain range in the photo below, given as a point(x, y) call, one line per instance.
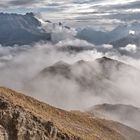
point(121, 36)
point(21, 29)
point(27, 29)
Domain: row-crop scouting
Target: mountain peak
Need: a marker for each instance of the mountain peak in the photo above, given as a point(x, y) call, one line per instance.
point(104, 58)
point(21, 29)
point(30, 14)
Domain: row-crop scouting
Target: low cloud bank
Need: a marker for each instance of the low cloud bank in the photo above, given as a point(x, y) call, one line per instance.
point(19, 65)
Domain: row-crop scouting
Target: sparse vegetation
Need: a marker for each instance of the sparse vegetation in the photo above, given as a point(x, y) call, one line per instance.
point(73, 124)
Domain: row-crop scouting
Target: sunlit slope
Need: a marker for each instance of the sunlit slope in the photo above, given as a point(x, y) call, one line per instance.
point(60, 124)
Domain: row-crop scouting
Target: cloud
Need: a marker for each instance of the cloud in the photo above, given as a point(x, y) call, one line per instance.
point(75, 43)
point(131, 32)
point(21, 2)
point(92, 10)
point(107, 46)
point(19, 65)
point(130, 48)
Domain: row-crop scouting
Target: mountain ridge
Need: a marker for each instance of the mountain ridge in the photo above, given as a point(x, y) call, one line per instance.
point(59, 124)
point(17, 29)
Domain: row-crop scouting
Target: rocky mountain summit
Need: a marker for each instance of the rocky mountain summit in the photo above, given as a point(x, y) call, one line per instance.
point(22, 117)
point(16, 29)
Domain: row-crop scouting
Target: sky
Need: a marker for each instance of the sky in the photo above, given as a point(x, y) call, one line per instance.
point(81, 11)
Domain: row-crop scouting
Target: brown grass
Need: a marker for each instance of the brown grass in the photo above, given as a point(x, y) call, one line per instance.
point(72, 123)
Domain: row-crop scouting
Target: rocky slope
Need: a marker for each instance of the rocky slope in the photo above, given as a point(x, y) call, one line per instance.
point(22, 117)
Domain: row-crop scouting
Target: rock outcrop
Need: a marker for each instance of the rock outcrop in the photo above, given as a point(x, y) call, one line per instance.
point(17, 124)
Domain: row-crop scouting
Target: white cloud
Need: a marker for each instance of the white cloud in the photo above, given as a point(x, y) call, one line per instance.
point(70, 9)
point(75, 43)
point(131, 32)
point(107, 46)
point(130, 48)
